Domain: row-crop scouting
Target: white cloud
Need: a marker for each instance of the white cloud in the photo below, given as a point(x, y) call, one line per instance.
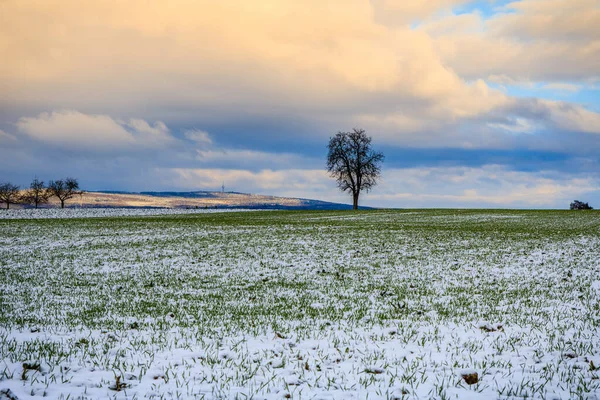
point(561, 86)
point(516, 125)
point(202, 138)
point(505, 80)
point(572, 117)
point(6, 138)
point(149, 135)
point(73, 129)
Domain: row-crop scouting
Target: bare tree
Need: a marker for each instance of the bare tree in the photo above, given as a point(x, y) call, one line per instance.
point(64, 189)
point(9, 194)
point(36, 194)
point(353, 162)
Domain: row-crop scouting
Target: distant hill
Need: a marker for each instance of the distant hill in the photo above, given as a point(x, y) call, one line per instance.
point(199, 199)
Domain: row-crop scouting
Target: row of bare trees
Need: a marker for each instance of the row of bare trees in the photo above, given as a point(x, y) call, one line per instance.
point(38, 193)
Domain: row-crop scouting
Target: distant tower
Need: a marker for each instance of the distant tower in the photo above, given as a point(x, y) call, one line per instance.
point(223, 187)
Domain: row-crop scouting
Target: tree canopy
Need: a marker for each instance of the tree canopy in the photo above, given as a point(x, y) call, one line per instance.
point(64, 189)
point(354, 164)
point(9, 194)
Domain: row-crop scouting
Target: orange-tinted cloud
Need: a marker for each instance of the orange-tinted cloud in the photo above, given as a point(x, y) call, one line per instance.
point(104, 56)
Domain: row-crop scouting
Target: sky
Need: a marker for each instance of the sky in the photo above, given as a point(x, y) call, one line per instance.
point(474, 103)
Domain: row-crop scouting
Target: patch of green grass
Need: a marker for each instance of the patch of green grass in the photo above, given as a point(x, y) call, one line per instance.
point(139, 287)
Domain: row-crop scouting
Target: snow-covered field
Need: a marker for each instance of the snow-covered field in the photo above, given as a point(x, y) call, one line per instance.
point(302, 305)
point(45, 213)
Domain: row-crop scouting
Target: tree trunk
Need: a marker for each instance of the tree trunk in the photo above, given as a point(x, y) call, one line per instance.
point(62, 203)
point(355, 201)
point(7, 205)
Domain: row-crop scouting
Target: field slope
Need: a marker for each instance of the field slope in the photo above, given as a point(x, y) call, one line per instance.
point(198, 199)
point(304, 305)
